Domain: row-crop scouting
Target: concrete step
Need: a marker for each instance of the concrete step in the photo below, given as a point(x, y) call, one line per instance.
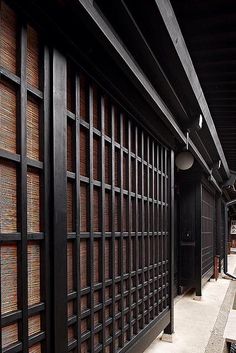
point(230, 331)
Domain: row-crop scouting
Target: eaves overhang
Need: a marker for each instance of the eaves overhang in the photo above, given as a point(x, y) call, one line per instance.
point(178, 41)
point(135, 71)
point(95, 22)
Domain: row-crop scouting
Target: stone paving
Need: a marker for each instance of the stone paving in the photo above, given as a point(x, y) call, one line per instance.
point(199, 325)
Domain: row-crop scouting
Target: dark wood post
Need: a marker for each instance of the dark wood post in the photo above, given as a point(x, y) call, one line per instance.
point(59, 205)
point(218, 228)
point(198, 247)
point(170, 328)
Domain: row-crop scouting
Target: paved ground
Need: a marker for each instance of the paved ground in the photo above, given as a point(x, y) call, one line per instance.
point(199, 325)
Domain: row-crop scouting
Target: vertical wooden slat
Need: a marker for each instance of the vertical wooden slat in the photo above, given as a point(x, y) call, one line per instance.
point(70, 146)
point(91, 220)
point(142, 226)
point(113, 271)
point(161, 228)
point(121, 223)
point(128, 176)
point(148, 230)
point(77, 211)
point(198, 248)
point(158, 228)
point(171, 227)
point(136, 231)
point(104, 256)
point(166, 233)
point(23, 283)
point(46, 195)
point(1, 297)
point(59, 204)
point(154, 237)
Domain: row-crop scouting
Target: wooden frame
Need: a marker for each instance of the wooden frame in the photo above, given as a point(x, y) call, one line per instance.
point(140, 281)
point(144, 290)
point(24, 237)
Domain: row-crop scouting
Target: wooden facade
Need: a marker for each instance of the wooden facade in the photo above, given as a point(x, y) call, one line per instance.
point(85, 207)
point(98, 229)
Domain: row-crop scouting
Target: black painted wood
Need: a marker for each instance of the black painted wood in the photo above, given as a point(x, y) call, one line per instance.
point(148, 281)
point(46, 197)
point(59, 205)
point(171, 240)
point(198, 247)
point(77, 212)
point(23, 280)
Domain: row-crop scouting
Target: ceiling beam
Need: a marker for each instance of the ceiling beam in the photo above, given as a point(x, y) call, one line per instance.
point(134, 72)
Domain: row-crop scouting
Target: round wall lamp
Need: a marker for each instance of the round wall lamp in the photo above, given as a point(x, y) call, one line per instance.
point(184, 160)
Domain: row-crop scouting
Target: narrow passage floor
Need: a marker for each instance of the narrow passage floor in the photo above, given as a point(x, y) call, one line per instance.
point(199, 325)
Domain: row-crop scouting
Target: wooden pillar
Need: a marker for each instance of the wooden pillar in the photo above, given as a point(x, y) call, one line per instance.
point(59, 205)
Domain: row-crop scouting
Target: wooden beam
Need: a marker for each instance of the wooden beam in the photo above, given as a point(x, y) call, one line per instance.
point(134, 72)
point(174, 31)
point(145, 53)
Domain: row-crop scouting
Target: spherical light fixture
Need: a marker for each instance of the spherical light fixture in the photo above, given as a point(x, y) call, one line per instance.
point(184, 160)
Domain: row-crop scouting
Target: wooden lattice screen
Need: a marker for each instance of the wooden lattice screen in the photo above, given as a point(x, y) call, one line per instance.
point(117, 221)
point(208, 218)
point(23, 186)
point(116, 207)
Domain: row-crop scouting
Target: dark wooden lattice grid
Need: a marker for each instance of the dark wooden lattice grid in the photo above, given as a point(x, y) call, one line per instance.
point(24, 186)
point(119, 270)
point(208, 217)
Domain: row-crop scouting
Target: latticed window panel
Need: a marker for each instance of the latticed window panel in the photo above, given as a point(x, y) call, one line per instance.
point(23, 194)
point(117, 250)
point(208, 219)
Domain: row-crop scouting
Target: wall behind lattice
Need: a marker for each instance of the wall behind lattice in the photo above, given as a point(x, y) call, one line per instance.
point(23, 191)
